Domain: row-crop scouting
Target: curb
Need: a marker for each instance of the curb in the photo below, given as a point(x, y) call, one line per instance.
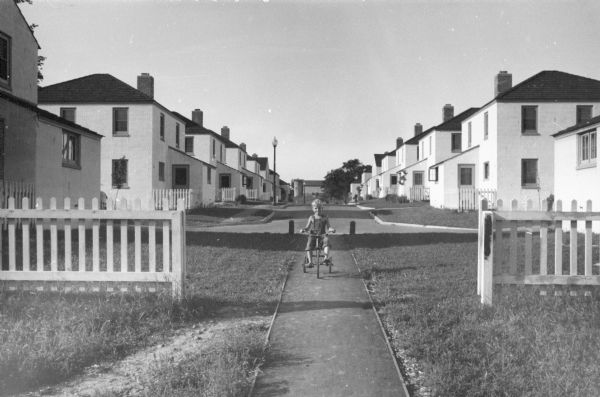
point(268, 337)
point(385, 336)
point(382, 222)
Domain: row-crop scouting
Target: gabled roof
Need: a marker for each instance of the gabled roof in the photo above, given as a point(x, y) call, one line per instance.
point(553, 86)
point(453, 124)
point(193, 128)
point(45, 114)
point(592, 121)
point(94, 88)
point(27, 23)
point(262, 161)
point(379, 158)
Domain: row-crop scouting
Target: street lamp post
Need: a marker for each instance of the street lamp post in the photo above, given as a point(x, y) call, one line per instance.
point(274, 171)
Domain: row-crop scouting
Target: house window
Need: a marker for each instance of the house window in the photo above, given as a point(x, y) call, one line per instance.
point(189, 144)
point(393, 179)
point(433, 174)
point(120, 116)
point(68, 114)
point(587, 148)
point(469, 135)
point(529, 173)
point(209, 176)
point(418, 152)
point(214, 148)
point(119, 173)
point(584, 113)
point(485, 125)
point(264, 187)
point(177, 135)
point(71, 149)
point(418, 178)
point(456, 143)
point(162, 127)
point(4, 60)
point(486, 170)
point(244, 180)
point(161, 171)
point(465, 175)
point(528, 119)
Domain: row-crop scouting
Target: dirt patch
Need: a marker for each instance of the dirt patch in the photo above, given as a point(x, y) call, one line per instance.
point(124, 378)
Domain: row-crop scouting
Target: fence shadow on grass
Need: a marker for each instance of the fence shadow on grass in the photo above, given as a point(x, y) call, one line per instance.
point(300, 306)
point(260, 241)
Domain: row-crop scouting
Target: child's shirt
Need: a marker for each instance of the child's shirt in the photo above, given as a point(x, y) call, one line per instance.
point(319, 225)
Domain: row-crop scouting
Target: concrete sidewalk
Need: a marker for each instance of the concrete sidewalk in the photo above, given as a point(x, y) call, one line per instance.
point(326, 339)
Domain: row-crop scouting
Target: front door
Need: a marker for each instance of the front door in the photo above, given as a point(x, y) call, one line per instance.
point(181, 176)
point(466, 175)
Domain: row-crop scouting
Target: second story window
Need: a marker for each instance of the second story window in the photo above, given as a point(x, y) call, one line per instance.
point(162, 127)
point(584, 113)
point(189, 144)
point(393, 179)
point(456, 143)
point(209, 176)
point(529, 119)
point(68, 114)
point(177, 135)
point(418, 152)
point(586, 148)
point(485, 125)
point(430, 145)
point(120, 123)
point(214, 145)
point(486, 170)
point(71, 150)
point(4, 60)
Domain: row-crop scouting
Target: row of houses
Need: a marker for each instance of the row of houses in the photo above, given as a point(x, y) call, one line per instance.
point(532, 141)
point(97, 136)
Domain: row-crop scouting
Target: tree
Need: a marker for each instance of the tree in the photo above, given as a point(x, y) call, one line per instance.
point(337, 182)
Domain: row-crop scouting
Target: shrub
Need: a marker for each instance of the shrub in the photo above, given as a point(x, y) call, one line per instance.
point(369, 197)
point(240, 199)
point(550, 201)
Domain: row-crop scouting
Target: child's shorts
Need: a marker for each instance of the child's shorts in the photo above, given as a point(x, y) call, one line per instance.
point(311, 244)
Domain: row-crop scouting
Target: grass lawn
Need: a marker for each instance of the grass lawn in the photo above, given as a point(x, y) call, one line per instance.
point(387, 203)
point(218, 215)
point(427, 215)
point(46, 338)
point(524, 345)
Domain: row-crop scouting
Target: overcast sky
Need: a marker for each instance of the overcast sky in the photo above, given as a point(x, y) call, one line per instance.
point(332, 80)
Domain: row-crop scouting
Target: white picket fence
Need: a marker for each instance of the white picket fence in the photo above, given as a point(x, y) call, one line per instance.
point(18, 190)
point(419, 193)
point(469, 197)
point(228, 194)
point(510, 260)
point(48, 237)
point(170, 198)
point(251, 194)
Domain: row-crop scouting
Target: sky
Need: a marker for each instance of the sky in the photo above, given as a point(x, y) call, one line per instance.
point(331, 80)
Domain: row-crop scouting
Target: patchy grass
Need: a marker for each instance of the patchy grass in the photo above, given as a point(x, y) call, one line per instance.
point(219, 215)
point(46, 338)
point(427, 215)
point(526, 344)
point(223, 370)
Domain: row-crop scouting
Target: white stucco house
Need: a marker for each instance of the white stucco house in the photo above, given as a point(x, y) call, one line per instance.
point(507, 144)
point(576, 172)
point(143, 152)
point(40, 153)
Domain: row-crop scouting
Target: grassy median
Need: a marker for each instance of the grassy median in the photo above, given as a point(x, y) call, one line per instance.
point(46, 338)
point(524, 345)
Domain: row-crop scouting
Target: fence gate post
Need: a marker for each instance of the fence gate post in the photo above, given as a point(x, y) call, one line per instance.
point(352, 227)
point(483, 206)
point(487, 268)
point(291, 227)
point(178, 256)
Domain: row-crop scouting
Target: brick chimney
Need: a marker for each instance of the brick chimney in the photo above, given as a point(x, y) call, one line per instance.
point(418, 129)
point(225, 132)
point(502, 82)
point(198, 117)
point(243, 146)
point(399, 142)
point(145, 83)
point(447, 112)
